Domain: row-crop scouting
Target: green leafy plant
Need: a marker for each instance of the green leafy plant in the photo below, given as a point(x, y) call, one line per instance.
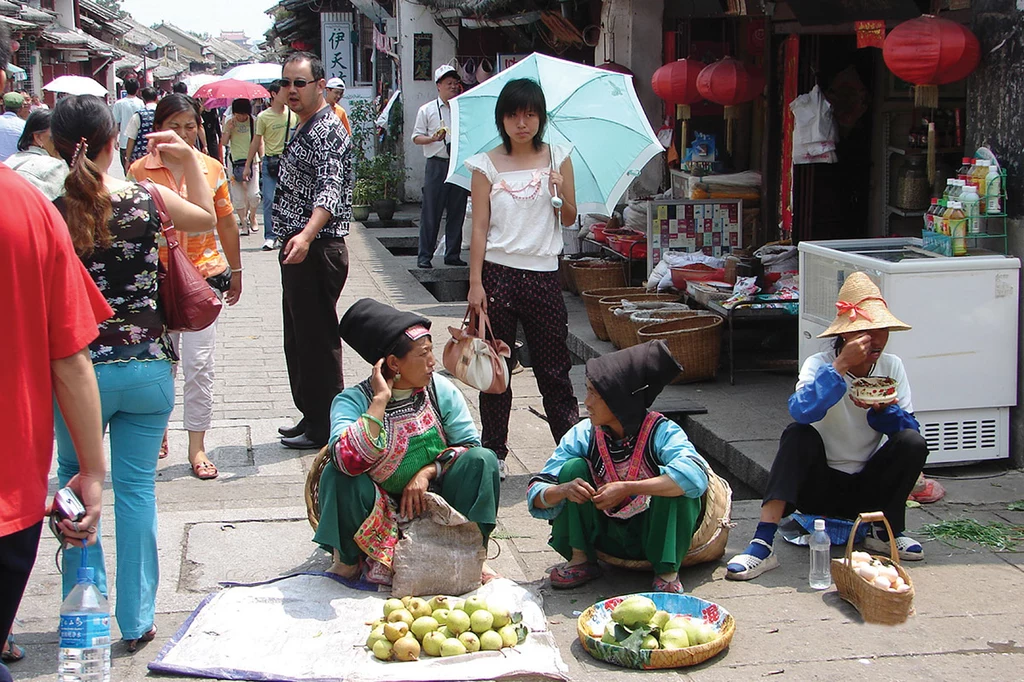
point(995, 535)
point(385, 173)
point(363, 192)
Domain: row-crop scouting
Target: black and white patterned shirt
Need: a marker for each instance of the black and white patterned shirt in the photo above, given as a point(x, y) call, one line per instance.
point(316, 171)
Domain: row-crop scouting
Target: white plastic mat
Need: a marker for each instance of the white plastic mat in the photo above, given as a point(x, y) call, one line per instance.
point(313, 627)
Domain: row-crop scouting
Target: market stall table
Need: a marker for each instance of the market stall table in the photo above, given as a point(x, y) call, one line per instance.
point(745, 311)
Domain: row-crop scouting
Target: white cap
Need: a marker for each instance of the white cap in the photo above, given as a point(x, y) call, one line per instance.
point(443, 71)
point(819, 524)
point(336, 83)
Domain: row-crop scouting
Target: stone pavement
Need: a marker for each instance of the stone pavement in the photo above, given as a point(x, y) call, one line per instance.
point(250, 524)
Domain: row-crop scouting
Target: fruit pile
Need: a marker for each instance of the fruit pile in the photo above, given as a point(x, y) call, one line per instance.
point(442, 626)
point(638, 624)
point(882, 576)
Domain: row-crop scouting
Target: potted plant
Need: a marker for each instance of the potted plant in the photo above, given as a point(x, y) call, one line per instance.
point(387, 176)
point(361, 193)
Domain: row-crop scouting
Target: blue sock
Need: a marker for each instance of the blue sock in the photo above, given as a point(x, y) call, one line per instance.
point(766, 533)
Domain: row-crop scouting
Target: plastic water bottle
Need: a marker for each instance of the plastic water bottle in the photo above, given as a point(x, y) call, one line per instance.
point(84, 631)
point(820, 576)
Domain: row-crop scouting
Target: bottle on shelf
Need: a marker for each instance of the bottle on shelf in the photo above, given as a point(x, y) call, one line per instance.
point(966, 168)
point(84, 654)
point(939, 222)
point(929, 215)
point(949, 188)
point(957, 228)
point(993, 191)
point(819, 576)
point(972, 208)
point(978, 175)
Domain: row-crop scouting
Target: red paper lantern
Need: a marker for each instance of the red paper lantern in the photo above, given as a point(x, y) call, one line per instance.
point(929, 52)
point(729, 82)
point(676, 82)
point(615, 68)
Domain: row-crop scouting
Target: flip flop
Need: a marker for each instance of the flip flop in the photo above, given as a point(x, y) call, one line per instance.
point(567, 577)
point(674, 586)
point(164, 448)
point(13, 653)
point(204, 471)
point(133, 644)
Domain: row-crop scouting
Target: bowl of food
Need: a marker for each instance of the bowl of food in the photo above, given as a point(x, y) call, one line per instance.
point(655, 630)
point(873, 390)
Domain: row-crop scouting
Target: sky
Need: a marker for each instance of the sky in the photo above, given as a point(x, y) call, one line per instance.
point(204, 16)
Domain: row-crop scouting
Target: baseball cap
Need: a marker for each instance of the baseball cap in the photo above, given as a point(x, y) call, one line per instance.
point(443, 71)
point(13, 100)
point(336, 83)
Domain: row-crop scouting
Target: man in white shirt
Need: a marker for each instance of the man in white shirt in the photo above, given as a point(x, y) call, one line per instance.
point(11, 125)
point(433, 122)
point(122, 111)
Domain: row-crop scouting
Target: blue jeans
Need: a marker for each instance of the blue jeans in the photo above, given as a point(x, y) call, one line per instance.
point(268, 185)
point(136, 399)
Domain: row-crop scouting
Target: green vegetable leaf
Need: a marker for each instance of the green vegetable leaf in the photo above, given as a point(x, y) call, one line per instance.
point(635, 638)
point(1016, 506)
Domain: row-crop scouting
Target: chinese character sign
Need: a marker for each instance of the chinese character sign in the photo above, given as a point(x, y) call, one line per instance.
point(336, 49)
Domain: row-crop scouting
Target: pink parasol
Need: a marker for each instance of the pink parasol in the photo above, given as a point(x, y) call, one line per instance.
point(231, 89)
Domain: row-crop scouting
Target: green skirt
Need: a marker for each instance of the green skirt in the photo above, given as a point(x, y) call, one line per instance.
point(661, 535)
point(471, 486)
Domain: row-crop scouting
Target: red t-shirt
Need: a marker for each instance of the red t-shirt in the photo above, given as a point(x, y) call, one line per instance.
point(50, 309)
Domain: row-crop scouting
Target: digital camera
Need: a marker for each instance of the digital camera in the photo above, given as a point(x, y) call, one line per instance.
point(67, 505)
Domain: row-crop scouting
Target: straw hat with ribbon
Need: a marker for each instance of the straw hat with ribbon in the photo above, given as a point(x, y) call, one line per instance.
point(860, 308)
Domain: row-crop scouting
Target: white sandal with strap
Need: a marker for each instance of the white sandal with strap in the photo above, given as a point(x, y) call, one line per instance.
point(753, 565)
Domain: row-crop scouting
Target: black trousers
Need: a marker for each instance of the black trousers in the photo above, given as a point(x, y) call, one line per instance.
point(17, 554)
point(312, 345)
point(801, 477)
point(439, 196)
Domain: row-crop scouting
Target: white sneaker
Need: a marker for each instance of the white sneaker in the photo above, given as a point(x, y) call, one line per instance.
point(269, 245)
point(502, 470)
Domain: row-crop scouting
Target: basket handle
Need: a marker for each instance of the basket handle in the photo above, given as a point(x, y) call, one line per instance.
point(872, 517)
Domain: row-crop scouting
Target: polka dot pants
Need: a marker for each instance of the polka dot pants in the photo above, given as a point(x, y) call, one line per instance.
point(533, 299)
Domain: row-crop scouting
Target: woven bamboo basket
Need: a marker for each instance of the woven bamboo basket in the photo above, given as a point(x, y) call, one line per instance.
point(313, 487)
point(619, 331)
point(875, 604)
point(594, 618)
point(642, 318)
point(591, 299)
point(565, 277)
point(598, 274)
point(711, 536)
point(695, 342)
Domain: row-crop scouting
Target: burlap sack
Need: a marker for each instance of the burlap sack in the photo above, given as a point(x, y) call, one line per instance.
point(440, 552)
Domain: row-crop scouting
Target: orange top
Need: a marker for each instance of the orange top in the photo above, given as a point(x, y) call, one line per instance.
point(340, 111)
point(201, 247)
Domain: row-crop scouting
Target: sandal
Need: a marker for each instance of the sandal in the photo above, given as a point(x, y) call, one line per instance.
point(487, 575)
point(751, 566)
point(568, 577)
point(133, 644)
point(164, 448)
point(907, 548)
point(12, 653)
point(204, 470)
point(674, 586)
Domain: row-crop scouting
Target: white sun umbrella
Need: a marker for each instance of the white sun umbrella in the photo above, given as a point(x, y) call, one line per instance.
point(255, 73)
point(76, 85)
point(199, 80)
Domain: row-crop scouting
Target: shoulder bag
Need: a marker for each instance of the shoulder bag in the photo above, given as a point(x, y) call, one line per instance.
point(188, 302)
point(475, 357)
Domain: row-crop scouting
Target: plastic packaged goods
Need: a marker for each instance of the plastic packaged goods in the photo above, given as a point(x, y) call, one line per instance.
point(957, 228)
point(993, 191)
point(972, 208)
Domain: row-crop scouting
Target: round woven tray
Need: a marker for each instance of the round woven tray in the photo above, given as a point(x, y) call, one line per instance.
point(593, 620)
point(591, 299)
point(313, 487)
point(711, 536)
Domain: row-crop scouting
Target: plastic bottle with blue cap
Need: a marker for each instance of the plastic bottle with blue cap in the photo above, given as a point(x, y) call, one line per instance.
point(84, 630)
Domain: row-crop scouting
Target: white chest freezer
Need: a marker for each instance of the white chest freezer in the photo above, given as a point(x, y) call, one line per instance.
point(960, 356)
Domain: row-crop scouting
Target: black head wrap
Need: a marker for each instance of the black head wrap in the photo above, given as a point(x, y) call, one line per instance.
point(373, 328)
point(630, 379)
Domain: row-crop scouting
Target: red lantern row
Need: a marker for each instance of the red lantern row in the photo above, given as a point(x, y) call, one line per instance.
point(728, 81)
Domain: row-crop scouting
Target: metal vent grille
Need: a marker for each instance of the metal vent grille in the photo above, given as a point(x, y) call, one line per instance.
point(961, 435)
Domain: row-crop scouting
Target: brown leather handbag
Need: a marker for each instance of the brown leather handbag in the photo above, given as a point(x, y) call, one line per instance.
point(189, 303)
point(475, 357)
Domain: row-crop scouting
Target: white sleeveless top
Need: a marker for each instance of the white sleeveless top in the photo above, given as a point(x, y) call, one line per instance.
point(524, 232)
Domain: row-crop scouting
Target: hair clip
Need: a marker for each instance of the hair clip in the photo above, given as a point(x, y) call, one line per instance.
point(642, 388)
point(81, 148)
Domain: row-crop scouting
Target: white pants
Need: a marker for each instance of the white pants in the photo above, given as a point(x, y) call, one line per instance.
point(196, 350)
point(245, 195)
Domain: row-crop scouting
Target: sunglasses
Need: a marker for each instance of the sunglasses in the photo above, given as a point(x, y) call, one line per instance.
point(298, 83)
